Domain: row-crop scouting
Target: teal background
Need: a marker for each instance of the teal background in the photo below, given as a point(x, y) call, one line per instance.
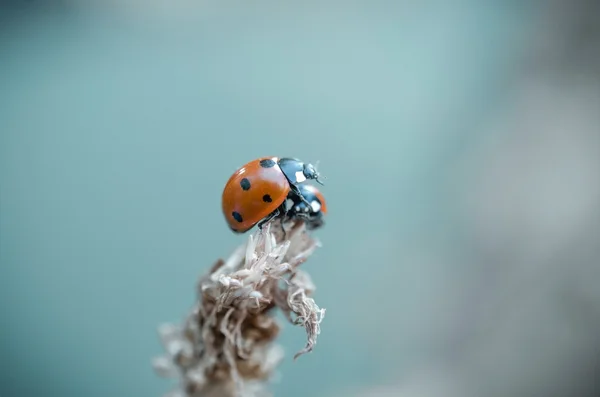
point(120, 124)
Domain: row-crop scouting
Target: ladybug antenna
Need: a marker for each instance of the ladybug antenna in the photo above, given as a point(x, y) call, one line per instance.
point(318, 175)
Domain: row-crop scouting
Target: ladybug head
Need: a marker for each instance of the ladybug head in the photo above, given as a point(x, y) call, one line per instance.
point(310, 172)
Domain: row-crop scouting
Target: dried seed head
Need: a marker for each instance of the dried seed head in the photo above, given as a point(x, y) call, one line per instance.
point(225, 346)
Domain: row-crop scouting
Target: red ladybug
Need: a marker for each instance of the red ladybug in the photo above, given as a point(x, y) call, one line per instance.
point(257, 191)
point(312, 214)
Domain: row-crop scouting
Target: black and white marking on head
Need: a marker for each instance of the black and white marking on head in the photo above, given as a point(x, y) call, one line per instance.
point(237, 216)
point(310, 172)
point(300, 177)
point(267, 163)
point(293, 170)
point(245, 184)
point(267, 198)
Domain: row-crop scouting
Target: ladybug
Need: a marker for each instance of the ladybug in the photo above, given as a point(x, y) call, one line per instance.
point(313, 213)
point(257, 191)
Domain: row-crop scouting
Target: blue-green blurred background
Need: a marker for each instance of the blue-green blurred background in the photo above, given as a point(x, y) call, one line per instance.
point(460, 142)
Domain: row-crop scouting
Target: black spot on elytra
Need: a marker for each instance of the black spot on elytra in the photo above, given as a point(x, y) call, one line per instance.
point(267, 163)
point(267, 198)
point(237, 216)
point(245, 184)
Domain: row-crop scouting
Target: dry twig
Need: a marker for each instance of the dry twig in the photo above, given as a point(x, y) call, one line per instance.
point(225, 347)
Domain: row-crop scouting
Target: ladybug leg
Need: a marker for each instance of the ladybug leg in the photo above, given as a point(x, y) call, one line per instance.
point(302, 215)
point(284, 216)
point(297, 192)
point(272, 215)
point(283, 229)
point(268, 218)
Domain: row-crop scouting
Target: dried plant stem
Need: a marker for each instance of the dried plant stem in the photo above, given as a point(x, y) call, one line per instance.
point(226, 346)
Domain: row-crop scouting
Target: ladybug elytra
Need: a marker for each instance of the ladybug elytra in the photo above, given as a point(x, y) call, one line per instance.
point(258, 190)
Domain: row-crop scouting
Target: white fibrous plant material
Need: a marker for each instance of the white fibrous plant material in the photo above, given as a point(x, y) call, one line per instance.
point(226, 345)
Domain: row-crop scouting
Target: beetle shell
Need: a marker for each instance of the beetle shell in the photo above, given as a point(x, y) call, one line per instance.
point(253, 192)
